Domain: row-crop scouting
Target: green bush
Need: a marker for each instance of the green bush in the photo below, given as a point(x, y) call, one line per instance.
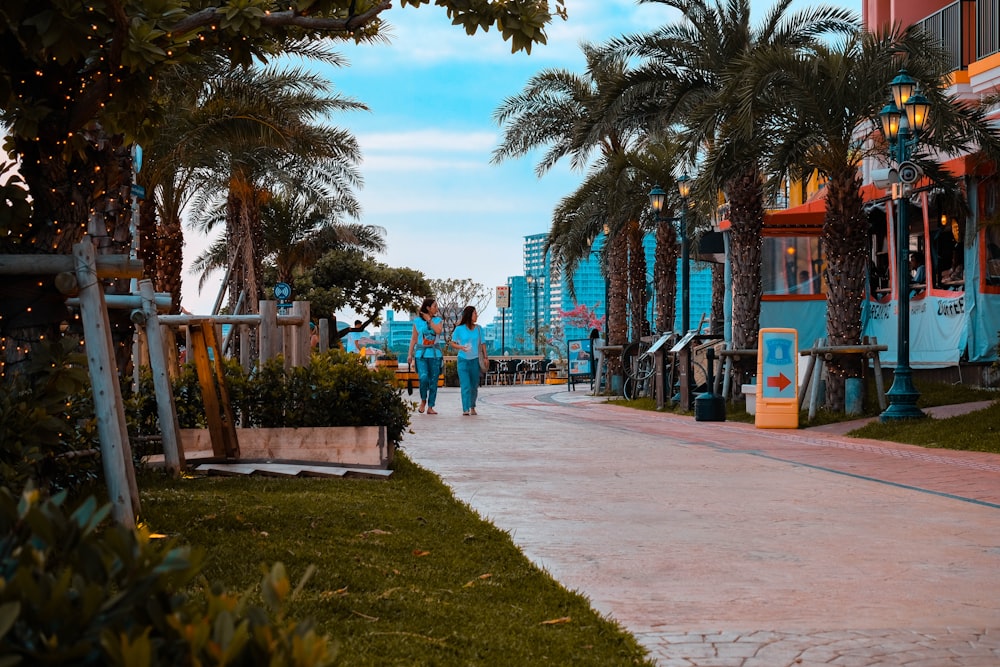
point(73, 594)
point(451, 373)
point(48, 432)
point(333, 390)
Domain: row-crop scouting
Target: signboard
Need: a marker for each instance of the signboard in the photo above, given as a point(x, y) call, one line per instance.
point(580, 357)
point(282, 291)
point(777, 379)
point(138, 191)
point(503, 296)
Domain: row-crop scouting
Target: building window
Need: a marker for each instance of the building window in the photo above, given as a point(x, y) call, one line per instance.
point(793, 265)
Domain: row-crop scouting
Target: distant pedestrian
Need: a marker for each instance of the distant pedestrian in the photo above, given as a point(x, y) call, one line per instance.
point(425, 350)
point(356, 333)
point(468, 339)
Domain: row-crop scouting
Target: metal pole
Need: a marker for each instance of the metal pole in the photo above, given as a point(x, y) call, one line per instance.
point(903, 394)
point(534, 284)
point(685, 272)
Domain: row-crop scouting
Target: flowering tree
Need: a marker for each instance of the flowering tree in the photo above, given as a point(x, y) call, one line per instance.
point(582, 317)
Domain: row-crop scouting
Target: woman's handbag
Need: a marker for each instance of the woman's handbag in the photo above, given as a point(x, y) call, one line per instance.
point(484, 360)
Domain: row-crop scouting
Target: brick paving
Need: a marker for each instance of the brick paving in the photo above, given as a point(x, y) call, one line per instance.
point(718, 544)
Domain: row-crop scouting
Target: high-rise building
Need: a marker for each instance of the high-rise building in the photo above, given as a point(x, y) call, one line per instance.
point(589, 288)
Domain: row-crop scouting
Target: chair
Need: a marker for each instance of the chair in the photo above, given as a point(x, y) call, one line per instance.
point(509, 369)
point(492, 374)
point(534, 371)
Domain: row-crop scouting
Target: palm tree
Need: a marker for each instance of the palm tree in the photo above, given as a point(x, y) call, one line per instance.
point(179, 160)
point(685, 79)
point(258, 129)
point(563, 111)
point(821, 105)
point(296, 233)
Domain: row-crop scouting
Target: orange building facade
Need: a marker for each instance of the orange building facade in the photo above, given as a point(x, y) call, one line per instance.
point(955, 303)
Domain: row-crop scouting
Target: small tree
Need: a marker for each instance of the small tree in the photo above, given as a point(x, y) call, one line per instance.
point(454, 295)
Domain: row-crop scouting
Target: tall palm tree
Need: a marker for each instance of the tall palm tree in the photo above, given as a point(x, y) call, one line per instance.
point(821, 106)
point(563, 111)
point(260, 130)
point(179, 159)
point(295, 234)
point(685, 79)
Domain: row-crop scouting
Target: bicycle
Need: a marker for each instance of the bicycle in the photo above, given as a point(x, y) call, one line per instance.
point(639, 366)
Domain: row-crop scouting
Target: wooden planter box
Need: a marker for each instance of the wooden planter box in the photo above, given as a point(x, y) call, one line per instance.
point(343, 445)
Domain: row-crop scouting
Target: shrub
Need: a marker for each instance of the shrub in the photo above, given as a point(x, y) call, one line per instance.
point(48, 432)
point(335, 389)
point(451, 373)
point(74, 594)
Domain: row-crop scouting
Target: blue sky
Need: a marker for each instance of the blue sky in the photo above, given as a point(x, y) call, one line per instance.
point(428, 138)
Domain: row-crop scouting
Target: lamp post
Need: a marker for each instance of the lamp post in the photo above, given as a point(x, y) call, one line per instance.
point(903, 119)
point(533, 281)
point(657, 199)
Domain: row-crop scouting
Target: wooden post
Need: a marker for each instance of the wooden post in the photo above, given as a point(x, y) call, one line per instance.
point(109, 410)
point(173, 453)
point(879, 382)
point(267, 333)
point(324, 335)
point(297, 336)
point(218, 411)
point(810, 372)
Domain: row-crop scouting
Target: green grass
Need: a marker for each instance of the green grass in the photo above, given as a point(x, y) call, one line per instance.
point(406, 574)
point(976, 431)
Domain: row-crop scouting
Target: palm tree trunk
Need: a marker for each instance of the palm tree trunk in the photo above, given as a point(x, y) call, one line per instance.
point(637, 282)
point(718, 322)
point(617, 291)
point(746, 197)
point(846, 237)
point(665, 277)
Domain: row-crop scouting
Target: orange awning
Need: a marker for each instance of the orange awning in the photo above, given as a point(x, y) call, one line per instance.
point(807, 218)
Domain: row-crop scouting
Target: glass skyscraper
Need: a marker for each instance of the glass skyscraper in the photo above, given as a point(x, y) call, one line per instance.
point(590, 290)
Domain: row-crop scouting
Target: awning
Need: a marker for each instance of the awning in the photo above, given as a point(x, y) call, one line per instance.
point(808, 217)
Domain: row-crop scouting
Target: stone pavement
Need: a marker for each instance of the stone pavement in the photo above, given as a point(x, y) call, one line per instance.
point(717, 544)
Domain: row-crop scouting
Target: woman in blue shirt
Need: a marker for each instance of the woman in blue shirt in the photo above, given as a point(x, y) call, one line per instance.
point(425, 350)
point(467, 338)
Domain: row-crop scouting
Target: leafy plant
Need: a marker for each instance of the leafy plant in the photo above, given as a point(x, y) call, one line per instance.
point(48, 432)
point(75, 593)
point(334, 389)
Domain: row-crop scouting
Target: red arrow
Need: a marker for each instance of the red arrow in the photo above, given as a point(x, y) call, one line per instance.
point(780, 382)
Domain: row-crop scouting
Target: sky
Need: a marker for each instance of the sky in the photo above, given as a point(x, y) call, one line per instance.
point(428, 137)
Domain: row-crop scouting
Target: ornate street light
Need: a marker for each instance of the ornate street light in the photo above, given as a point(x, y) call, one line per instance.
point(903, 119)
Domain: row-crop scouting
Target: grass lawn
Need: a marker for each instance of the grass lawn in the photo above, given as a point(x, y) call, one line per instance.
point(976, 431)
point(406, 575)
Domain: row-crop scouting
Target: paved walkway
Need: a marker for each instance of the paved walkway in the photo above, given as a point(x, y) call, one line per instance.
point(718, 544)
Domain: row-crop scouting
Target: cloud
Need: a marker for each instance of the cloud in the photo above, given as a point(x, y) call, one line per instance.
point(437, 140)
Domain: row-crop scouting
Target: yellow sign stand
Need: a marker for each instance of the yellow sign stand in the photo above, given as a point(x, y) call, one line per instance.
point(777, 379)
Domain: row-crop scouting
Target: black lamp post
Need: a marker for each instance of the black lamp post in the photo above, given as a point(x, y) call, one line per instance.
point(533, 281)
point(903, 119)
point(657, 199)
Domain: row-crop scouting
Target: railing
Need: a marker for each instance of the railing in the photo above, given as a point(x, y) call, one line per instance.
point(987, 35)
point(946, 26)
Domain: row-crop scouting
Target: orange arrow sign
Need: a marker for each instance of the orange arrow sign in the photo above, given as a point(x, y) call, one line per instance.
point(780, 382)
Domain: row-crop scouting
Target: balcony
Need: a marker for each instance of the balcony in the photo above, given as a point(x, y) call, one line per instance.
point(947, 26)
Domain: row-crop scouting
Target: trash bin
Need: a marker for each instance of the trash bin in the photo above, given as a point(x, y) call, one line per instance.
point(709, 407)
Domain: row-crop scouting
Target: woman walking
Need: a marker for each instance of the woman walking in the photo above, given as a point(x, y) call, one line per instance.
point(425, 351)
point(467, 339)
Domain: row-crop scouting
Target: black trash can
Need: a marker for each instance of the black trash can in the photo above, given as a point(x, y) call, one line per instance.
point(709, 407)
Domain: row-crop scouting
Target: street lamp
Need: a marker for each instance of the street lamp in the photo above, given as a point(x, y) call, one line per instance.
point(657, 200)
point(903, 119)
point(533, 281)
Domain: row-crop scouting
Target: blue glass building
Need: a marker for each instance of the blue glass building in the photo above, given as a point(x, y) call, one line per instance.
point(590, 289)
